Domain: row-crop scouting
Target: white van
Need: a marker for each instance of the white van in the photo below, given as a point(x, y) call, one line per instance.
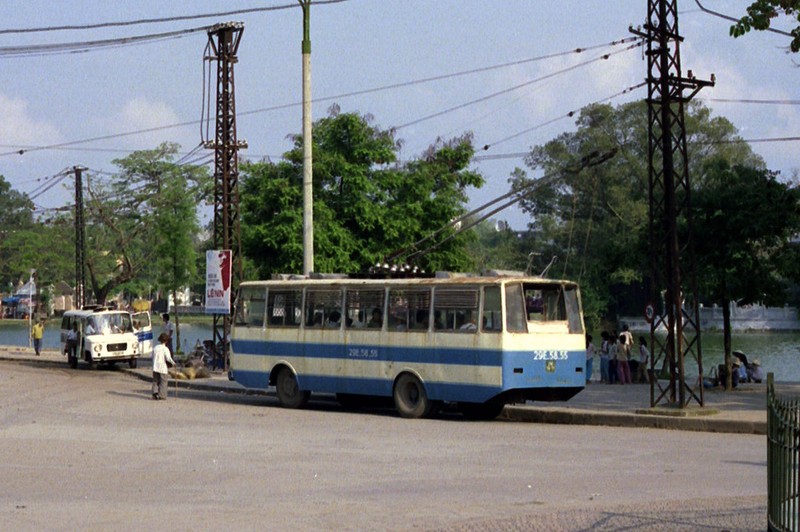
point(104, 336)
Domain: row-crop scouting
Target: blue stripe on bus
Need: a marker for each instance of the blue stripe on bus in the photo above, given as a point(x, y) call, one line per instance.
point(519, 368)
point(371, 352)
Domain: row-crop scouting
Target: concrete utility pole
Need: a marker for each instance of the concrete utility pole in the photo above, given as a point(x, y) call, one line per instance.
point(672, 250)
point(80, 240)
point(308, 189)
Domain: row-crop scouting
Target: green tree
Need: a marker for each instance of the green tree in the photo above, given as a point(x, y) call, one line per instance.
point(760, 15)
point(744, 219)
point(366, 204)
point(175, 226)
point(590, 208)
point(120, 213)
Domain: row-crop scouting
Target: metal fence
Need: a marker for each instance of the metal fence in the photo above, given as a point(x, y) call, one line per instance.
point(783, 460)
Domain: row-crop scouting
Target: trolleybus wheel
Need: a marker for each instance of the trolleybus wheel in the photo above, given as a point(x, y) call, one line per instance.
point(481, 411)
point(289, 394)
point(410, 398)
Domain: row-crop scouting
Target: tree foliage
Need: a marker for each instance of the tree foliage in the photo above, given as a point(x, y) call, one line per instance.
point(594, 217)
point(760, 15)
point(121, 213)
point(366, 203)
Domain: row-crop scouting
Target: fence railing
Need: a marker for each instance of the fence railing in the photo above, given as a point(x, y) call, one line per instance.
point(783, 460)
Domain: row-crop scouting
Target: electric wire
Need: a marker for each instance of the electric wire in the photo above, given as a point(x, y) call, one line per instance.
point(568, 115)
point(734, 19)
point(519, 86)
point(163, 19)
point(451, 75)
point(84, 46)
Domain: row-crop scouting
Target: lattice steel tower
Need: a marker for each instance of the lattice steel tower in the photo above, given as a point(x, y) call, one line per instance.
point(673, 283)
point(223, 41)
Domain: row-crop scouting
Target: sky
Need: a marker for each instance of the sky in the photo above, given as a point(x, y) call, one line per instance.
point(359, 45)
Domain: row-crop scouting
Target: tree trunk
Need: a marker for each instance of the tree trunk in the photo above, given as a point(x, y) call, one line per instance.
point(726, 342)
point(177, 323)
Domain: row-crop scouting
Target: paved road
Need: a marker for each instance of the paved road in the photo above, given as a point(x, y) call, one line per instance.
point(90, 449)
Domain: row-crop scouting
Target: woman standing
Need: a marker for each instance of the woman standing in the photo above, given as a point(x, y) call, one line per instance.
point(590, 351)
point(623, 355)
point(644, 357)
point(162, 360)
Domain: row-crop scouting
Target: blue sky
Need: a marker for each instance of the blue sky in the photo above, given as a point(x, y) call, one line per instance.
point(358, 45)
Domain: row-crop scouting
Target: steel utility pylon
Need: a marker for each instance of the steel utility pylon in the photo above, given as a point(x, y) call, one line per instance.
point(673, 285)
point(223, 41)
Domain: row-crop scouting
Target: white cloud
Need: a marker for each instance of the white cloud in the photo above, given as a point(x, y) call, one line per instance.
point(140, 114)
point(18, 126)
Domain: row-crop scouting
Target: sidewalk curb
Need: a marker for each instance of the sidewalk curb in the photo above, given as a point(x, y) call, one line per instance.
point(564, 416)
point(526, 414)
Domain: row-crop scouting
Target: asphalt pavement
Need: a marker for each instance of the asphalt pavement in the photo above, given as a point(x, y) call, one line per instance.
point(742, 410)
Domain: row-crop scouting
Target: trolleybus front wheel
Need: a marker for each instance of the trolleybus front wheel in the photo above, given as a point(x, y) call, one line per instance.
point(410, 398)
point(289, 394)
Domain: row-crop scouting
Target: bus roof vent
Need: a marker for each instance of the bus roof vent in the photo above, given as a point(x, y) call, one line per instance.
point(502, 273)
point(316, 275)
point(453, 275)
point(287, 277)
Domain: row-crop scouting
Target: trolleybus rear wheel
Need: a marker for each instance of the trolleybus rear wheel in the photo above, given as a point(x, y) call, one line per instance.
point(410, 398)
point(289, 394)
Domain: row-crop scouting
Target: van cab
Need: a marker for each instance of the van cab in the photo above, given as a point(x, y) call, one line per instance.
point(104, 336)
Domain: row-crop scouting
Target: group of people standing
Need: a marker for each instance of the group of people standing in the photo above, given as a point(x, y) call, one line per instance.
point(618, 363)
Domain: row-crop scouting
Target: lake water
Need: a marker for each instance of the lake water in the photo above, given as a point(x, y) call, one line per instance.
point(15, 333)
point(779, 352)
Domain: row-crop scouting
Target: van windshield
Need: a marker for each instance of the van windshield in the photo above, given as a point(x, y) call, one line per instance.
point(109, 324)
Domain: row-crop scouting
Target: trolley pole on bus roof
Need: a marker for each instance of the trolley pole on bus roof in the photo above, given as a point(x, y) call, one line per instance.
point(308, 191)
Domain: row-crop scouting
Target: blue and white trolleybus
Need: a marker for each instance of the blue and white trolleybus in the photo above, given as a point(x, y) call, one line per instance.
point(474, 342)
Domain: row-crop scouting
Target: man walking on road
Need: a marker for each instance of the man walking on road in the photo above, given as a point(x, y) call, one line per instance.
point(37, 332)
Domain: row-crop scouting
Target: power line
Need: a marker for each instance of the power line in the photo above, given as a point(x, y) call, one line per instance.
point(750, 100)
point(519, 86)
point(568, 115)
point(85, 46)
point(61, 145)
point(159, 20)
point(734, 19)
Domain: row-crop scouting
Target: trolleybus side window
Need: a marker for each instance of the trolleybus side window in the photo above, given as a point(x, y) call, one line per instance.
point(492, 310)
point(573, 308)
point(456, 309)
point(409, 309)
point(250, 306)
point(364, 308)
point(515, 309)
point(284, 307)
point(324, 308)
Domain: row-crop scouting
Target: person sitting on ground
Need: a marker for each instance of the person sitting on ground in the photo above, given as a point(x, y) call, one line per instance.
point(755, 372)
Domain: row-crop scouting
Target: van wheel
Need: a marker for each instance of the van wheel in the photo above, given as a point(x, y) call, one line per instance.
point(289, 393)
point(410, 398)
point(88, 358)
point(132, 363)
